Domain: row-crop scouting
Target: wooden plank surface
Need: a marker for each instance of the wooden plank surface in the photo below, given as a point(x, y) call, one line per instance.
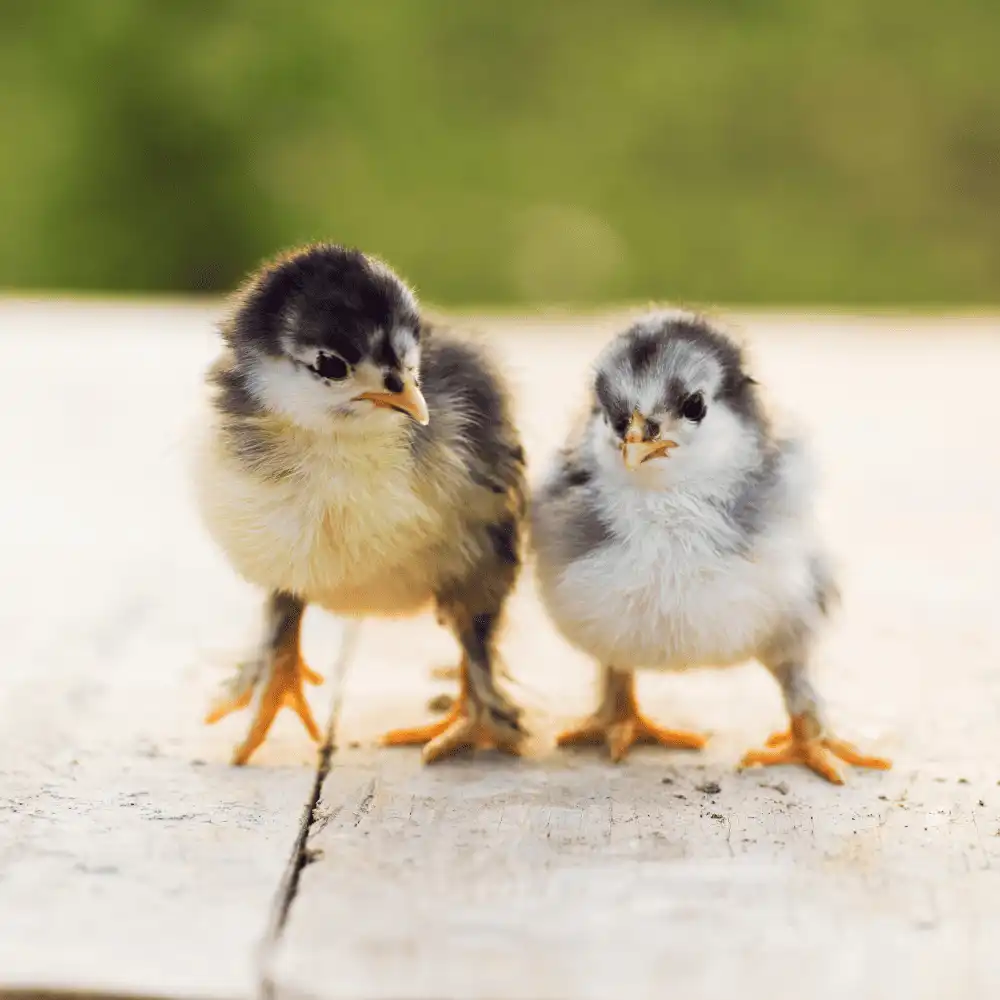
point(132, 857)
point(563, 876)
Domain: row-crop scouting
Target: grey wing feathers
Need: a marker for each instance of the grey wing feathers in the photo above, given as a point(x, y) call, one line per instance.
point(566, 520)
point(777, 487)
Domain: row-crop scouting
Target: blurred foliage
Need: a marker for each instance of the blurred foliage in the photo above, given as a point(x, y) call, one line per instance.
point(796, 151)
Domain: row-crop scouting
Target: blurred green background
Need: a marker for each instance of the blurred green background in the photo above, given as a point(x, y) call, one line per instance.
point(824, 152)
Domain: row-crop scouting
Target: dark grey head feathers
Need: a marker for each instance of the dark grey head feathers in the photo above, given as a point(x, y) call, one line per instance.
point(673, 365)
point(331, 299)
point(331, 339)
point(320, 335)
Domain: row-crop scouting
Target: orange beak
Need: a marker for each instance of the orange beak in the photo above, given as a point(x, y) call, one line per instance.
point(409, 401)
point(636, 450)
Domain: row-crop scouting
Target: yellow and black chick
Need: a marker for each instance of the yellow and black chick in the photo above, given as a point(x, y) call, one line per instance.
point(363, 462)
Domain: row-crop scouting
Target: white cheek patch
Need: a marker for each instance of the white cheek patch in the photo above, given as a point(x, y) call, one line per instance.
point(297, 394)
point(711, 455)
point(719, 448)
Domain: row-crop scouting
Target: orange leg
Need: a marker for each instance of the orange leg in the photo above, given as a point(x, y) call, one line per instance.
point(620, 725)
point(804, 743)
point(467, 726)
point(273, 682)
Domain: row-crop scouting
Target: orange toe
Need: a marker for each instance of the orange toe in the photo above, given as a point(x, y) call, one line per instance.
point(463, 728)
point(419, 735)
point(803, 743)
point(624, 731)
point(813, 755)
point(281, 688)
point(226, 706)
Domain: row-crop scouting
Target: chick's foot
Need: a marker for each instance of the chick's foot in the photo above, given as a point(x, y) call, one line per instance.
point(621, 734)
point(467, 726)
point(804, 743)
point(279, 683)
point(620, 725)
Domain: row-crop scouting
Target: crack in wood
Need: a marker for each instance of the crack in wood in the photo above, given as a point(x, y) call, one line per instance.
point(314, 818)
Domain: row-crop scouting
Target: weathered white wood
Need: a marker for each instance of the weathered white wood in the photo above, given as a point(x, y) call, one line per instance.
point(126, 863)
point(563, 876)
point(132, 857)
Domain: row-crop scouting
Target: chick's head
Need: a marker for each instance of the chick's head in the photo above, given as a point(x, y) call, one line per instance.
point(674, 404)
point(328, 334)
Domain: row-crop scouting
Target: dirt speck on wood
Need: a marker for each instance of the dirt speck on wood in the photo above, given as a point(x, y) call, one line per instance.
point(781, 787)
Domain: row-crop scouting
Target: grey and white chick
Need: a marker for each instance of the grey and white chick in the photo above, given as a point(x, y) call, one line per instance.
point(360, 461)
point(674, 530)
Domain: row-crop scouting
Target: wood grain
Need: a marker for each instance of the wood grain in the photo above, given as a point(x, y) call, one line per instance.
point(134, 860)
point(671, 874)
point(132, 857)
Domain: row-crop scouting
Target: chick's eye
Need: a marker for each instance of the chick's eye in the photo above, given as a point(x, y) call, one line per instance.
point(330, 366)
point(693, 408)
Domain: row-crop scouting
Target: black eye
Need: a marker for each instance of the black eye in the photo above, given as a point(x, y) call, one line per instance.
point(693, 408)
point(330, 366)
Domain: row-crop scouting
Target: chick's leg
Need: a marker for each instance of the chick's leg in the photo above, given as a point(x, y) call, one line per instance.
point(619, 723)
point(273, 680)
point(807, 741)
point(472, 606)
point(482, 717)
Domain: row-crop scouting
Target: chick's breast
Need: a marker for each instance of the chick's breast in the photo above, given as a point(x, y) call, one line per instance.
point(370, 523)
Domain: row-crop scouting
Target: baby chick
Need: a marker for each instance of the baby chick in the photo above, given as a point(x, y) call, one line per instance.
point(674, 530)
point(359, 461)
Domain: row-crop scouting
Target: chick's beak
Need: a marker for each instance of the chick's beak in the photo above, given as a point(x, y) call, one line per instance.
point(636, 449)
point(409, 400)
